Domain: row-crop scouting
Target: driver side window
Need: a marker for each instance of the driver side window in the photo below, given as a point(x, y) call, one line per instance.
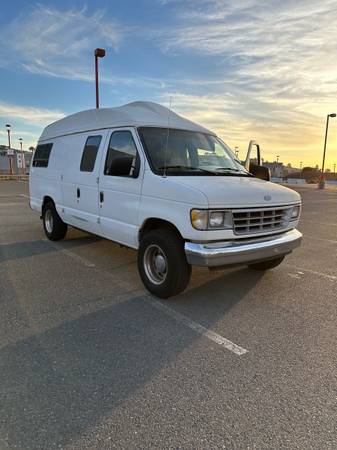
point(122, 159)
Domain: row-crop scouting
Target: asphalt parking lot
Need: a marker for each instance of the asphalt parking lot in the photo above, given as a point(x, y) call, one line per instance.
point(89, 360)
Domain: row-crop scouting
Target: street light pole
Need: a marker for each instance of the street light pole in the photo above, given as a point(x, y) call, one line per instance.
point(277, 157)
point(8, 127)
point(22, 156)
point(321, 184)
point(99, 53)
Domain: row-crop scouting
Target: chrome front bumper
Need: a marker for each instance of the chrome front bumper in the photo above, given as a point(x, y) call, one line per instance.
point(241, 251)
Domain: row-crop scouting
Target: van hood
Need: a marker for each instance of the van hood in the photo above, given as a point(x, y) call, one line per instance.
point(228, 191)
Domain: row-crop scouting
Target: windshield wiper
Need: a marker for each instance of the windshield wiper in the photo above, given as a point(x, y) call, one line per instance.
point(211, 172)
point(231, 169)
point(228, 168)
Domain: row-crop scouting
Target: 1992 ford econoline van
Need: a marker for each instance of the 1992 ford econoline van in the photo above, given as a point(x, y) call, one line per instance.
point(152, 180)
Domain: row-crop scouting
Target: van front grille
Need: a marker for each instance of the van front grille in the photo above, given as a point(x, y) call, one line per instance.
point(248, 221)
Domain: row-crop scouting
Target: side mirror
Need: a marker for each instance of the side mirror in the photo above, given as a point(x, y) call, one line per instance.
point(261, 172)
point(249, 151)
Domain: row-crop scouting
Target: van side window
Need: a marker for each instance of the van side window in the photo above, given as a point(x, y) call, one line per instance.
point(122, 158)
point(89, 153)
point(41, 155)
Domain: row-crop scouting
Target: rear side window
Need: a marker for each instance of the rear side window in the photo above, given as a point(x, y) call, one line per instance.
point(90, 153)
point(122, 158)
point(41, 155)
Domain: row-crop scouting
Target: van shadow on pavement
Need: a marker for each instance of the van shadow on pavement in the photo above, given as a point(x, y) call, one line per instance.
point(60, 383)
point(26, 249)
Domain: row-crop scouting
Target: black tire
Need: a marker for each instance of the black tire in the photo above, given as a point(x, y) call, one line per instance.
point(166, 243)
point(54, 228)
point(266, 265)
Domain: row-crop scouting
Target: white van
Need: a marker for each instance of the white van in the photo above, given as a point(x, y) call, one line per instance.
point(151, 180)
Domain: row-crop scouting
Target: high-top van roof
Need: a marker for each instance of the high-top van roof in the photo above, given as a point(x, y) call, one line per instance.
point(136, 114)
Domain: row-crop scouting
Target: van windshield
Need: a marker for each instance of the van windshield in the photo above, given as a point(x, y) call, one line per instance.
point(179, 152)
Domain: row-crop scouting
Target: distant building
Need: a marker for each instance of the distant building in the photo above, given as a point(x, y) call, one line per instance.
point(276, 168)
point(290, 170)
point(16, 159)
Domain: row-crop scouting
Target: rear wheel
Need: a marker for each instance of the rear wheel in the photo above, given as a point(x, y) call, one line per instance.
point(266, 265)
point(54, 228)
point(162, 263)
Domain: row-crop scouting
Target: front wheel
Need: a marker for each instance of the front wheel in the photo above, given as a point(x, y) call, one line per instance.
point(162, 263)
point(54, 228)
point(266, 265)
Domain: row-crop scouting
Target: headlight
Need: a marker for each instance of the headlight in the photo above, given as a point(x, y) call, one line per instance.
point(216, 219)
point(199, 219)
point(295, 213)
point(220, 219)
point(203, 219)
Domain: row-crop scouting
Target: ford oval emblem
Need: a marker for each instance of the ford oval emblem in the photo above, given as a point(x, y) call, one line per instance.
point(267, 198)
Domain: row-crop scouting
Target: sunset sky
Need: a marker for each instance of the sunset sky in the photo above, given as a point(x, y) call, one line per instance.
point(251, 69)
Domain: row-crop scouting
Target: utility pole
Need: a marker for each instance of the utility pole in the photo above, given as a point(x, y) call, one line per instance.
point(99, 53)
point(22, 157)
point(321, 184)
point(8, 128)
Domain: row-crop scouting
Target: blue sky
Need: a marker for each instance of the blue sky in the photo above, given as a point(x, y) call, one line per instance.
point(247, 69)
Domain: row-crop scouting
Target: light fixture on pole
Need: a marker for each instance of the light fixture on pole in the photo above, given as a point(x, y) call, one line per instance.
point(8, 128)
point(9, 151)
point(321, 184)
point(277, 157)
point(99, 53)
point(23, 165)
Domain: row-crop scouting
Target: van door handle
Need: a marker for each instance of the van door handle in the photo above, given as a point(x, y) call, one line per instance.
point(78, 193)
point(101, 197)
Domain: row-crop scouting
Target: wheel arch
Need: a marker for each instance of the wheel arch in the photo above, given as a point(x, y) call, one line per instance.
point(46, 199)
point(153, 223)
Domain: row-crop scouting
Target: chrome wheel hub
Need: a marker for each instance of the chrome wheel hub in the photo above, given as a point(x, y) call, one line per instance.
point(49, 221)
point(155, 264)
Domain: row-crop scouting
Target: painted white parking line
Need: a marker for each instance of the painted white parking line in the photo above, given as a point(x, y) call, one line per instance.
point(77, 257)
point(319, 223)
point(211, 335)
point(320, 239)
point(300, 271)
point(11, 204)
point(13, 195)
point(71, 254)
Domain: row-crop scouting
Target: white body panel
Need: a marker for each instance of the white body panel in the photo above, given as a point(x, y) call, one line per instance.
point(80, 189)
point(237, 192)
point(134, 114)
point(173, 197)
point(46, 182)
point(130, 202)
point(119, 210)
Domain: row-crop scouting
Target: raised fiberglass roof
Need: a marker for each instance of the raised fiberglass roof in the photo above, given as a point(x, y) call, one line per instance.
point(133, 114)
